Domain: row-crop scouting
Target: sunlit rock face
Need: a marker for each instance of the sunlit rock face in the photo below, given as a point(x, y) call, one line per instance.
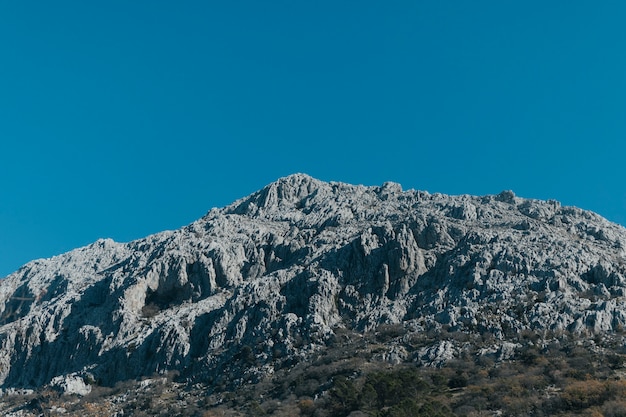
point(269, 279)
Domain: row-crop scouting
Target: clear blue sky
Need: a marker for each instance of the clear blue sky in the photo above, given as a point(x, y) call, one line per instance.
point(124, 118)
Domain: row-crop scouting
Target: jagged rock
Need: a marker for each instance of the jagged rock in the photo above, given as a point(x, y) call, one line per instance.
point(438, 354)
point(268, 280)
point(71, 384)
point(501, 351)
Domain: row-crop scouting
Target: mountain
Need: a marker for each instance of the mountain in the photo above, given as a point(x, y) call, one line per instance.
point(273, 279)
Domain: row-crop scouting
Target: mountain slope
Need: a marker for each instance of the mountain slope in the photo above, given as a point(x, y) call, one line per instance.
point(266, 281)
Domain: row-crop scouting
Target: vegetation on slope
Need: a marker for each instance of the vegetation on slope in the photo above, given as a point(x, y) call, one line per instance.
point(558, 375)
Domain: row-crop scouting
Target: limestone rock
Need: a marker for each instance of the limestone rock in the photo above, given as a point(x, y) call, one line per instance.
point(71, 384)
point(269, 279)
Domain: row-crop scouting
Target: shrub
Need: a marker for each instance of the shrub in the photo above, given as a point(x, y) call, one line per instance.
point(387, 332)
point(306, 406)
point(344, 396)
point(614, 409)
point(393, 387)
point(150, 310)
point(458, 381)
point(583, 394)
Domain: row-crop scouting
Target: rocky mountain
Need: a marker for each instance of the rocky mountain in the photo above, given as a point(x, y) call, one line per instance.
point(269, 280)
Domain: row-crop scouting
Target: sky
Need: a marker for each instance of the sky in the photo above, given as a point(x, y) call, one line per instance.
point(121, 119)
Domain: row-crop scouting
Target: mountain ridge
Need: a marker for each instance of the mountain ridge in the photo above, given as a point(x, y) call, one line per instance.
point(269, 279)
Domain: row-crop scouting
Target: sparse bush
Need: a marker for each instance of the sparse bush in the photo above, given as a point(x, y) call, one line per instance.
point(458, 381)
point(614, 409)
point(583, 394)
point(306, 406)
point(345, 396)
point(150, 310)
point(387, 332)
point(393, 387)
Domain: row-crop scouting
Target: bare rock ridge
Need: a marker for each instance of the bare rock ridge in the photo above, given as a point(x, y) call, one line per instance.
point(272, 277)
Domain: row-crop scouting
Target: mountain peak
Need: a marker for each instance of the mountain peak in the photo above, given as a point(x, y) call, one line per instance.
point(285, 191)
point(295, 187)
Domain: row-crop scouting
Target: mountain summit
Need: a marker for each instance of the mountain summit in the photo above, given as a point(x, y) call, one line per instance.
point(272, 278)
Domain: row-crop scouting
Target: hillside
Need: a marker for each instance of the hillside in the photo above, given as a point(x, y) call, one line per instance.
point(288, 275)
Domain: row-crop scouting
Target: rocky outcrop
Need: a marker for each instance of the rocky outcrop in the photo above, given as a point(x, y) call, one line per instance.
point(269, 279)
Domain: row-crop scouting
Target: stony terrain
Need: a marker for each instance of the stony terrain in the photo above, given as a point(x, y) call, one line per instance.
point(270, 280)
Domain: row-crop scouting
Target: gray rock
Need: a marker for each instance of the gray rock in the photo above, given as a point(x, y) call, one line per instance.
point(268, 279)
point(71, 384)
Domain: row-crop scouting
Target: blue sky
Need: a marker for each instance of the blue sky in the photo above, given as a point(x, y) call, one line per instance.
point(124, 118)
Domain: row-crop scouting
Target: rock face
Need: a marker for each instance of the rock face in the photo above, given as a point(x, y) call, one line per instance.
point(269, 279)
